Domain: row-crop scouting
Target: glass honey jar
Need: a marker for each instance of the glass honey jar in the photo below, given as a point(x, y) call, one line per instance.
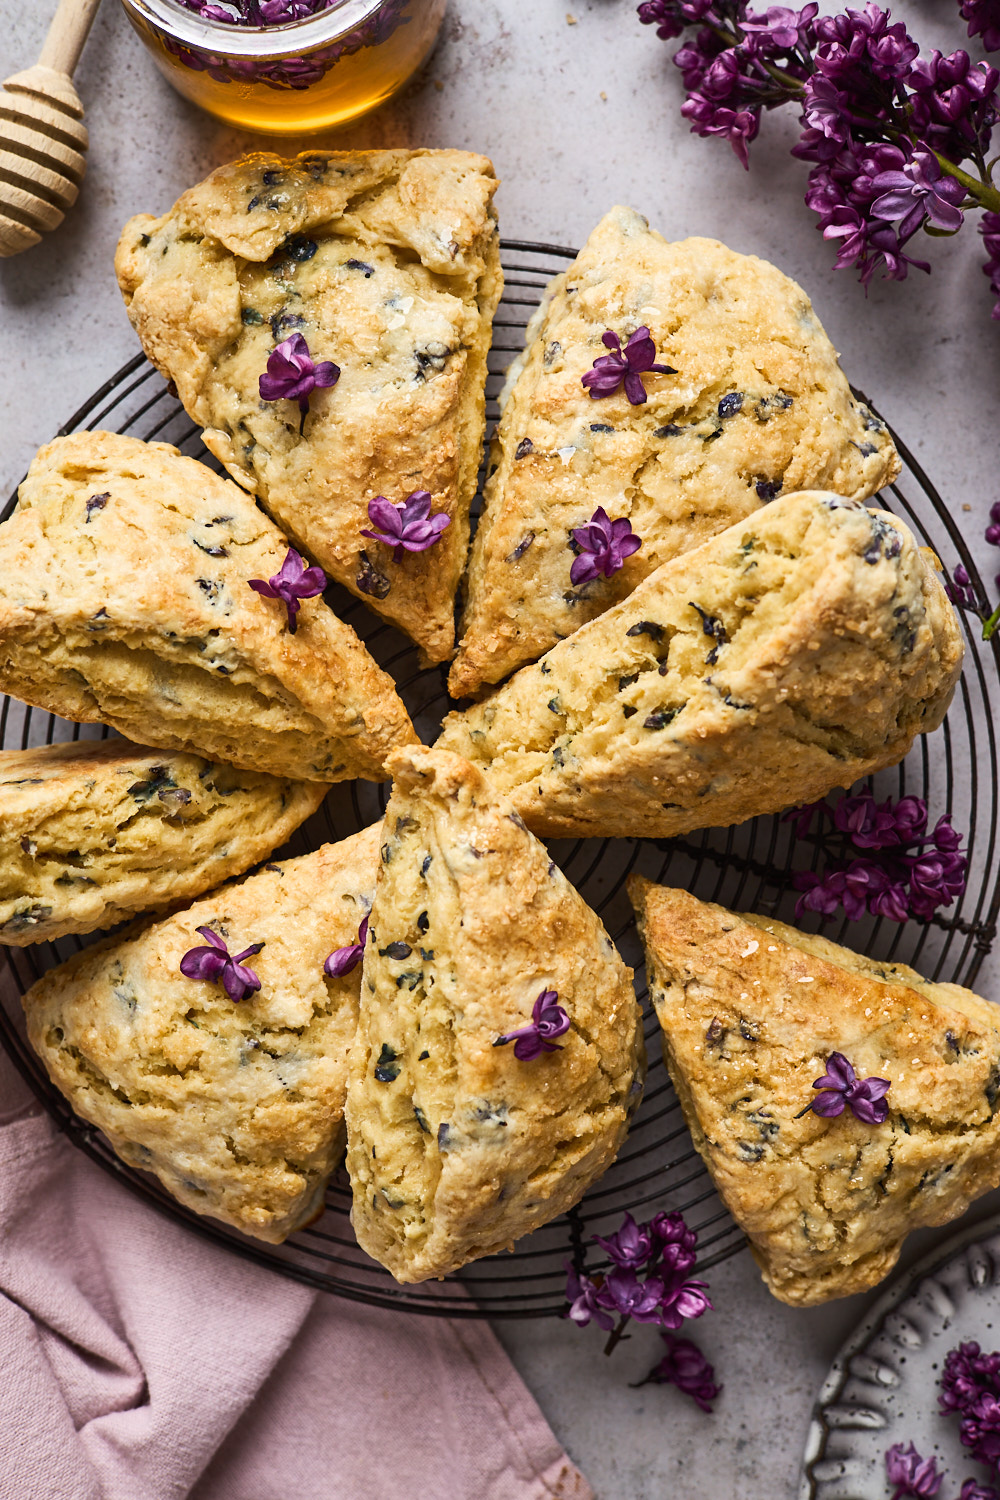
point(295, 78)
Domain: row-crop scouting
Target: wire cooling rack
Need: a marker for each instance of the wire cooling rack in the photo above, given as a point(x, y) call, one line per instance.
point(749, 868)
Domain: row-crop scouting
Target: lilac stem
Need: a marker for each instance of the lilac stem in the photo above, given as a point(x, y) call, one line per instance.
point(986, 196)
point(615, 1335)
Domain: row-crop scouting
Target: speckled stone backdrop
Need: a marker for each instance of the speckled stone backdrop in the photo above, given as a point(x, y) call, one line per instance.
point(579, 110)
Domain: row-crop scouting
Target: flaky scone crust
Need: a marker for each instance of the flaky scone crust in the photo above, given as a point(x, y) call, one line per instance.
point(455, 1147)
point(751, 1010)
point(237, 1107)
point(124, 600)
point(92, 832)
point(795, 652)
point(388, 263)
point(735, 330)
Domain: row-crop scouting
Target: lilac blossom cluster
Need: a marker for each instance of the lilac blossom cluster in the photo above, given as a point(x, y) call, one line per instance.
point(256, 12)
point(905, 871)
point(649, 1278)
point(886, 132)
point(969, 1389)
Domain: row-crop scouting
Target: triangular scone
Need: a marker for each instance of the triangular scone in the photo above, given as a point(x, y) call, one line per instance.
point(91, 833)
point(456, 1148)
point(798, 651)
point(751, 1011)
point(388, 264)
point(124, 599)
point(236, 1106)
point(758, 406)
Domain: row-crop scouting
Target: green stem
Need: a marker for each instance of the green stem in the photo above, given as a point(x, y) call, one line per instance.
point(986, 196)
point(990, 625)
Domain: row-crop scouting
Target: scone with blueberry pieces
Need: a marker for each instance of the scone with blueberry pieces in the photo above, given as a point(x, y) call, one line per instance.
point(753, 404)
point(92, 832)
point(235, 1104)
point(385, 263)
point(798, 651)
point(754, 1013)
point(499, 1051)
point(126, 599)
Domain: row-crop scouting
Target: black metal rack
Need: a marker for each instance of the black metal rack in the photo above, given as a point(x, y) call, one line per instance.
point(748, 868)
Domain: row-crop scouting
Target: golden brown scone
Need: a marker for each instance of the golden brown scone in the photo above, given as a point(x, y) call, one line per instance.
point(798, 651)
point(124, 600)
point(758, 406)
point(456, 1148)
point(751, 1010)
point(387, 263)
point(93, 832)
point(236, 1106)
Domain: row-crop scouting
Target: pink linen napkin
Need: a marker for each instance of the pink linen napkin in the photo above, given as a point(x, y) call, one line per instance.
point(142, 1363)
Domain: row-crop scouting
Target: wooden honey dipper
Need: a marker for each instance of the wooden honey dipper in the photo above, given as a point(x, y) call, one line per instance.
point(42, 134)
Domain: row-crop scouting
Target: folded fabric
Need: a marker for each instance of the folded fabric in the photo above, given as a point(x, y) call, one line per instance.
point(142, 1363)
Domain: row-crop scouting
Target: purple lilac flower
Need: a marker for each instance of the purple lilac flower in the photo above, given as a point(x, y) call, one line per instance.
point(686, 1367)
point(215, 962)
point(874, 825)
point(632, 1245)
point(936, 878)
point(983, 17)
point(292, 583)
point(548, 1020)
point(967, 1373)
point(292, 375)
point(989, 228)
point(675, 1239)
point(626, 366)
point(960, 590)
point(343, 960)
point(408, 526)
point(911, 1474)
point(582, 1294)
point(623, 1294)
point(973, 1489)
point(853, 886)
point(980, 1430)
point(604, 546)
point(919, 192)
point(782, 27)
point(840, 1087)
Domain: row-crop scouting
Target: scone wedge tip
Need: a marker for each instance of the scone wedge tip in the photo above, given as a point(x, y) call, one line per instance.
point(797, 651)
point(386, 263)
point(458, 1143)
point(752, 1011)
point(753, 404)
point(125, 600)
point(92, 832)
point(235, 1105)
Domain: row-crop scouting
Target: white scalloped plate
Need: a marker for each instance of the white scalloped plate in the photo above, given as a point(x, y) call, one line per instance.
point(882, 1387)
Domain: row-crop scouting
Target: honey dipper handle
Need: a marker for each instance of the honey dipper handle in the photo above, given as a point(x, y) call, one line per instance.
point(67, 34)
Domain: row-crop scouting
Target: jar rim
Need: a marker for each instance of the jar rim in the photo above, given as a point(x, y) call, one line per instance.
point(292, 38)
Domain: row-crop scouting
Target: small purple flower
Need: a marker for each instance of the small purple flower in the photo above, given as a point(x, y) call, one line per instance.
point(582, 1294)
point(937, 877)
point(548, 1020)
point(784, 27)
point(983, 17)
point(684, 1300)
point(960, 590)
point(989, 228)
point(920, 191)
point(628, 1297)
point(292, 375)
point(840, 1087)
point(631, 1245)
point(686, 1367)
point(980, 1429)
point(739, 126)
point(872, 825)
point(408, 526)
point(343, 960)
point(912, 1475)
point(852, 887)
point(675, 1241)
point(292, 583)
point(215, 962)
point(968, 1373)
point(604, 546)
point(663, 15)
point(973, 1489)
point(626, 366)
